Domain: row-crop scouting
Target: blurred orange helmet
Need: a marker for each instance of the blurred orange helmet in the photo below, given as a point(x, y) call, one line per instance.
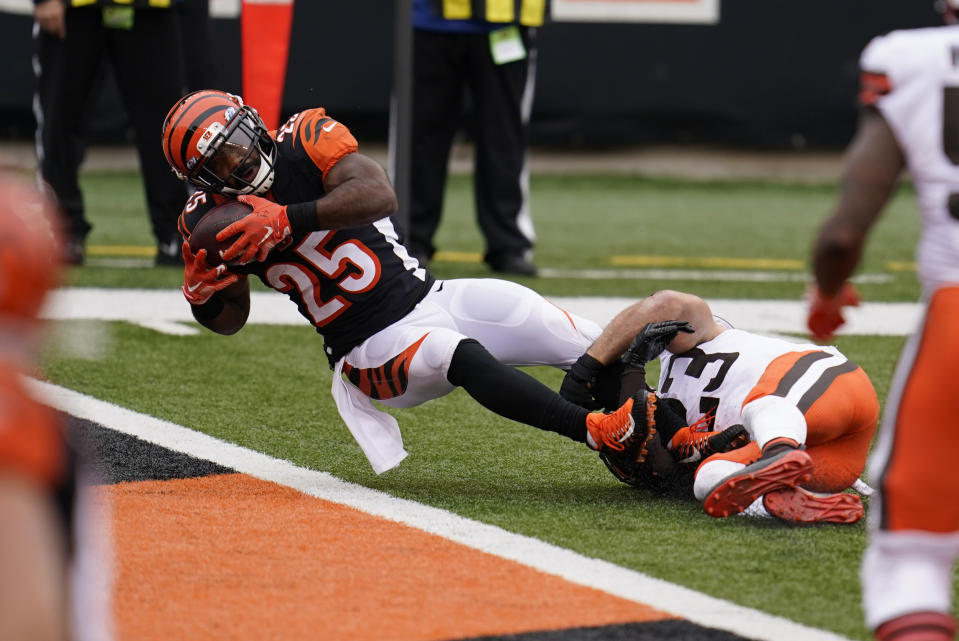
point(30, 252)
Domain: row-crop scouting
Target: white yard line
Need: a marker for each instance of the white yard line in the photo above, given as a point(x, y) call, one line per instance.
point(576, 568)
point(163, 309)
point(714, 275)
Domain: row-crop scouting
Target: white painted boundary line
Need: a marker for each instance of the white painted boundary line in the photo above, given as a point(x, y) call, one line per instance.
point(573, 567)
point(715, 275)
point(163, 309)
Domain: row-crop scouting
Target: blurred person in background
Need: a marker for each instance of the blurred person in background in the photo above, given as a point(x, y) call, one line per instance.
point(49, 588)
point(491, 54)
point(910, 120)
point(140, 39)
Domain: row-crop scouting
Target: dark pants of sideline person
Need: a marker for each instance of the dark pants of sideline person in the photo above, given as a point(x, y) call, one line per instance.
point(148, 68)
point(444, 66)
point(199, 44)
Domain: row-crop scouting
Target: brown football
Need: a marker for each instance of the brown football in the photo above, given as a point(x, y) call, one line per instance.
point(204, 232)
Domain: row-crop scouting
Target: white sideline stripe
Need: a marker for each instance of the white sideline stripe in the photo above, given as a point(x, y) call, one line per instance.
point(548, 558)
point(728, 275)
point(168, 306)
point(652, 273)
point(169, 327)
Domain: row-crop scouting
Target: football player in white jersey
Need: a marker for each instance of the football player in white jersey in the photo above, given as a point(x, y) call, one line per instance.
point(809, 412)
point(910, 120)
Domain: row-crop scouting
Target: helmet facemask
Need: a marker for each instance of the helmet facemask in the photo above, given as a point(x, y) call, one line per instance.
point(236, 158)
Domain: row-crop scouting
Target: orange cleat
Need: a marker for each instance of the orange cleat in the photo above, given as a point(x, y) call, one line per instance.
point(798, 505)
point(779, 468)
point(611, 431)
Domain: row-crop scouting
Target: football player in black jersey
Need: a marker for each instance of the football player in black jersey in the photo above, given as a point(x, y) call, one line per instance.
point(320, 231)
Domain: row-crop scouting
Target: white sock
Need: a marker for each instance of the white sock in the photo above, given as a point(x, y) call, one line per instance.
point(757, 509)
point(710, 474)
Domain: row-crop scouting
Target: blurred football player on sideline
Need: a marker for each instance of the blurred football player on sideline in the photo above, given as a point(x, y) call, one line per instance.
point(320, 232)
point(778, 428)
point(40, 563)
point(910, 118)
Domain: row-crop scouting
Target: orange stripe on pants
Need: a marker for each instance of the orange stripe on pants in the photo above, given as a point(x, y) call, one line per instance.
point(840, 426)
point(920, 486)
point(774, 373)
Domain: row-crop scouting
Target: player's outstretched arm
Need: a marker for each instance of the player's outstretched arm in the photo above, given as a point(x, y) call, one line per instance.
point(652, 317)
point(873, 164)
point(664, 305)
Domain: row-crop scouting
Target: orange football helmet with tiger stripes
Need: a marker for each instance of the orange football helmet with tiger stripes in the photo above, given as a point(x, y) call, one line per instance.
point(218, 144)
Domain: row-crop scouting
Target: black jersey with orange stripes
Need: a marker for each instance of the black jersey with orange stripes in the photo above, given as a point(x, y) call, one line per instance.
point(349, 283)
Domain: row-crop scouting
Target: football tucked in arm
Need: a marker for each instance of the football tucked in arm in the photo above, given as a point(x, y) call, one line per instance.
point(204, 232)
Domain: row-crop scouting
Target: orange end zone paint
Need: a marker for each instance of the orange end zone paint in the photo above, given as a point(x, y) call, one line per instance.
point(235, 557)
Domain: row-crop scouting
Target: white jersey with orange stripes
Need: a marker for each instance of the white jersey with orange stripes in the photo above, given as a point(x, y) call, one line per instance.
point(912, 78)
point(714, 379)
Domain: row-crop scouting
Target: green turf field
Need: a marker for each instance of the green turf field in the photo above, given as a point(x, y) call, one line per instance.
point(267, 388)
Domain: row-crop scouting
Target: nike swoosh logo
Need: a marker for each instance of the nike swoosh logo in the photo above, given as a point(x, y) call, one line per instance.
point(193, 288)
point(328, 128)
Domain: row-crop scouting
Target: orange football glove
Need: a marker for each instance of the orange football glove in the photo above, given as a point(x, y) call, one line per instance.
point(261, 230)
point(825, 314)
point(200, 281)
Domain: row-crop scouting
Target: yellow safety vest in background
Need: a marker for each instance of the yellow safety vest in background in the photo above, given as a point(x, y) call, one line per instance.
point(136, 4)
point(529, 13)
